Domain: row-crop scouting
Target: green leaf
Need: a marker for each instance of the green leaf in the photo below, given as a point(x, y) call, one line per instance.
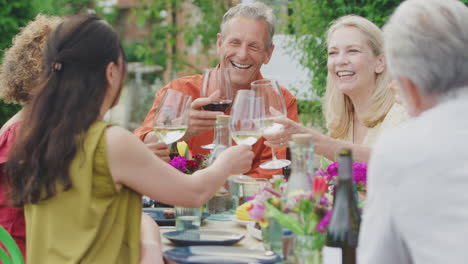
point(284, 220)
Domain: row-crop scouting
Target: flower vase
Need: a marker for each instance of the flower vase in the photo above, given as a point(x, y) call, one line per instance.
point(272, 236)
point(305, 252)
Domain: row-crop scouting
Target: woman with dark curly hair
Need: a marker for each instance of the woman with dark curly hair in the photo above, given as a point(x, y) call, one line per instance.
point(22, 62)
point(21, 69)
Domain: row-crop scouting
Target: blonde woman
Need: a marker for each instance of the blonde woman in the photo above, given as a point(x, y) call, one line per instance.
point(358, 103)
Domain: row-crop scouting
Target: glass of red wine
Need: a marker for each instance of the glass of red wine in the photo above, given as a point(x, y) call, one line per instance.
point(216, 86)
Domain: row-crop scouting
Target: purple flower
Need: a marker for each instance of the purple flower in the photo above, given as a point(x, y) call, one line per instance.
point(324, 201)
point(321, 172)
point(332, 170)
point(179, 163)
point(359, 172)
point(323, 224)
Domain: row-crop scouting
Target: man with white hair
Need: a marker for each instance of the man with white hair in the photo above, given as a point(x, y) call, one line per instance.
point(243, 46)
point(417, 203)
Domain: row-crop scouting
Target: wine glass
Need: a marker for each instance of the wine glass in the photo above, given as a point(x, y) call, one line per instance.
point(171, 118)
point(275, 107)
point(245, 125)
point(246, 115)
point(216, 86)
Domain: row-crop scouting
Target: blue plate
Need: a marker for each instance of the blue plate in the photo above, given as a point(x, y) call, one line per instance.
point(203, 237)
point(220, 255)
point(158, 215)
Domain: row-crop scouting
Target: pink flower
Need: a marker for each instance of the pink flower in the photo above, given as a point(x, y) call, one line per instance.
point(321, 172)
point(179, 163)
point(320, 186)
point(272, 191)
point(323, 224)
point(324, 201)
point(359, 172)
point(257, 211)
point(332, 170)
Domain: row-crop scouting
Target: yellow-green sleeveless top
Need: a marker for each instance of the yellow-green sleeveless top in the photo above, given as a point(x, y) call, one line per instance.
point(92, 222)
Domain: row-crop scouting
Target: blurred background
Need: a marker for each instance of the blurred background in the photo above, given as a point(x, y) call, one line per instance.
point(167, 39)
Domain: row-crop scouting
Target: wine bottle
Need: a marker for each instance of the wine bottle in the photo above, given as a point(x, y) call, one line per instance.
point(343, 230)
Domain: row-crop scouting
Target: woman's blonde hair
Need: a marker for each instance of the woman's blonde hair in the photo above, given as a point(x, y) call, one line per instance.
point(338, 107)
point(23, 62)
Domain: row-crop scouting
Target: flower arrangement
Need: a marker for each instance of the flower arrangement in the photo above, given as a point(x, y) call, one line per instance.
point(187, 165)
point(359, 174)
point(304, 213)
point(185, 162)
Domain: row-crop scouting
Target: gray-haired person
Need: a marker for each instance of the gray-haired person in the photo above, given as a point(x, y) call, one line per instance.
point(243, 46)
point(417, 204)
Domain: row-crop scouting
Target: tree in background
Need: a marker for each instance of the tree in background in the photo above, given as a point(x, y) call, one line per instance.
point(16, 14)
point(13, 15)
point(309, 21)
point(172, 22)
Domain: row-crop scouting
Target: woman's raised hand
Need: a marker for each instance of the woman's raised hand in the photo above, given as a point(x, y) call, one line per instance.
point(160, 149)
point(279, 139)
point(236, 159)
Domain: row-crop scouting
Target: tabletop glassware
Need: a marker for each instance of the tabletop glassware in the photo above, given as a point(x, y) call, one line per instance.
point(275, 107)
point(246, 115)
point(172, 115)
point(216, 85)
point(187, 218)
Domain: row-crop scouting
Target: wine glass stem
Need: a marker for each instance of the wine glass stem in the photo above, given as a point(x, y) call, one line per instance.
point(273, 154)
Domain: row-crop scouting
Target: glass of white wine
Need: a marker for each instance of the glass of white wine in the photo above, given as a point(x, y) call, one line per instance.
point(246, 115)
point(172, 116)
point(275, 107)
point(245, 126)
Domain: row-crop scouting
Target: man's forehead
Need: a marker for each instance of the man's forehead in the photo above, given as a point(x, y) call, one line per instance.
point(239, 27)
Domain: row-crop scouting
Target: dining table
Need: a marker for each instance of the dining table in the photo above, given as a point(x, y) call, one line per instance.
point(330, 255)
point(248, 241)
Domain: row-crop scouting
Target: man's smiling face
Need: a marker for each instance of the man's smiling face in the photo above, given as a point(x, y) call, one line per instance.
point(244, 49)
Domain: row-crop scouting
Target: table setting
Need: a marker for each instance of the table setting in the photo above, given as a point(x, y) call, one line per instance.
point(250, 220)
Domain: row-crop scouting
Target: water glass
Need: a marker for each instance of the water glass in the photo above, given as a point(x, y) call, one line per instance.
point(187, 218)
point(251, 188)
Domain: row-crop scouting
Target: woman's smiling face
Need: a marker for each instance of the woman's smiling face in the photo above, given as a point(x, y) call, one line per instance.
point(352, 64)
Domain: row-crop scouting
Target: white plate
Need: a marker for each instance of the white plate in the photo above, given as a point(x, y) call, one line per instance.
point(254, 232)
point(241, 222)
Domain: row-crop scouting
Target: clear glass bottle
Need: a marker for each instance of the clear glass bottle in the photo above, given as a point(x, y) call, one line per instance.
point(222, 201)
point(222, 139)
point(302, 169)
point(343, 231)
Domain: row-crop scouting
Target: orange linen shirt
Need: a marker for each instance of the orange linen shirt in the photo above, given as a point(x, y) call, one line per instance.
point(191, 85)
